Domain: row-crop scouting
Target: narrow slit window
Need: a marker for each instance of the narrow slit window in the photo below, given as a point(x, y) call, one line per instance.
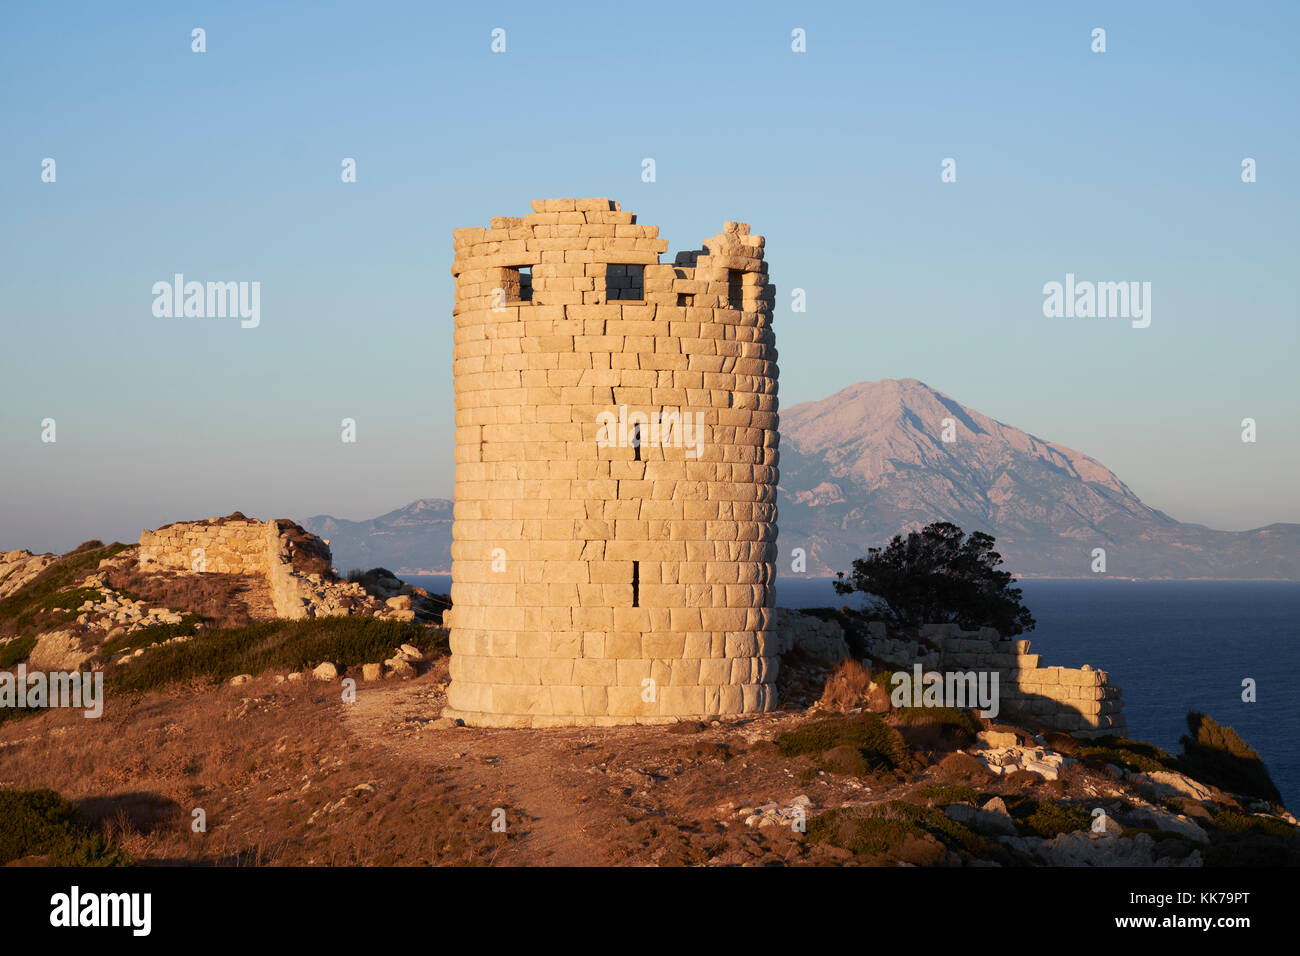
point(636, 583)
point(525, 283)
point(735, 289)
point(636, 441)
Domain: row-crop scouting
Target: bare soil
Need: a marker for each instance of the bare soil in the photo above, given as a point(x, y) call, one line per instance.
point(286, 772)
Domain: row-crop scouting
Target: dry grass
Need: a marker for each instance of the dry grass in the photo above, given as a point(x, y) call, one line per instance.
point(225, 600)
point(850, 687)
point(279, 778)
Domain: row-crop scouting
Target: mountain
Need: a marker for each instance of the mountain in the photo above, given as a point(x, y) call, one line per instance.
point(870, 462)
point(413, 539)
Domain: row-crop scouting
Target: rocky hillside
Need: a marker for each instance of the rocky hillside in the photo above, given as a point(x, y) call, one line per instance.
point(837, 776)
point(104, 605)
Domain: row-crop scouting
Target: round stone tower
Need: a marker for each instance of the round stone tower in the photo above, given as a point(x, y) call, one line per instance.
point(616, 472)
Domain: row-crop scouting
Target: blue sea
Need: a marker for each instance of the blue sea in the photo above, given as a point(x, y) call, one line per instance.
point(1173, 646)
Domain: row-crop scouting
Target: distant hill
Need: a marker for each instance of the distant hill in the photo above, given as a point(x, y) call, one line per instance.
point(409, 540)
point(870, 462)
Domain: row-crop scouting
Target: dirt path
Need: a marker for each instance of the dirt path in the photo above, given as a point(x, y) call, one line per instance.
point(576, 794)
point(531, 777)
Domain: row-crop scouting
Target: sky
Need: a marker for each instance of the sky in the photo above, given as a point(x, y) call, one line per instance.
point(225, 165)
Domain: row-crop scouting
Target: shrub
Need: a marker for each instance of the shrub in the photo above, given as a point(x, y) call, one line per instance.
point(288, 645)
point(71, 600)
point(1217, 756)
point(1053, 819)
point(847, 687)
point(1239, 839)
point(869, 837)
point(1129, 754)
point(148, 636)
point(42, 823)
point(879, 747)
point(1047, 819)
point(944, 794)
point(16, 650)
point(930, 725)
point(899, 832)
point(941, 826)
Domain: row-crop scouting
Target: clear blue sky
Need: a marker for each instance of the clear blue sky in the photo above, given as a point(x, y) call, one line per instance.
point(225, 166)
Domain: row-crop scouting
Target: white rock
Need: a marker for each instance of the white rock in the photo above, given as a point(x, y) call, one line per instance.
point(325, 672)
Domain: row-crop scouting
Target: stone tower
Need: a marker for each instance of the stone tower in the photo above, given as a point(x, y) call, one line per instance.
point(616, 472)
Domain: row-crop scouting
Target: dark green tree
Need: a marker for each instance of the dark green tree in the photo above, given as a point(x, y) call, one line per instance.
point(1217, 755)
point(937, 575)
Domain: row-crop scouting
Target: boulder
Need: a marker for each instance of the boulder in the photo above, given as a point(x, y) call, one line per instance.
point(58, 651)
point(997, 738)
point(372, 671)
point(986, 820)
point(400, 603)
point(325, 672)
point(400, 668)
point(1154, 818)
point(1164, 784)
point(239, 679)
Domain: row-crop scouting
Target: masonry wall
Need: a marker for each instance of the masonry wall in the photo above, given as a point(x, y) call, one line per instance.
point(579, 572)
point(290, 559)
point(1079, 701)
point(231, 547)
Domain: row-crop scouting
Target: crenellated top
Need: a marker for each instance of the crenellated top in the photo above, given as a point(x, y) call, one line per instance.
point(589, 252)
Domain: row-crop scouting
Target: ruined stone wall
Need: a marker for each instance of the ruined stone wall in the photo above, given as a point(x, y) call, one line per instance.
point(292, 561)
point(222, 547)
point(1079, 701)
point(592, 581)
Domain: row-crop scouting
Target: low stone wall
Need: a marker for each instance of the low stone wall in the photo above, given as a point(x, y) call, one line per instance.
point(292, 561)
point(1079, 701)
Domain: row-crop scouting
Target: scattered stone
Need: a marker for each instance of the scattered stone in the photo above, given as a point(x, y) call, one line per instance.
point(372, 671)
point(325, 672)
point(1164, 784)
point(1084, 848)
point(772, 814)
point(239, 679)
point(399, 668)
